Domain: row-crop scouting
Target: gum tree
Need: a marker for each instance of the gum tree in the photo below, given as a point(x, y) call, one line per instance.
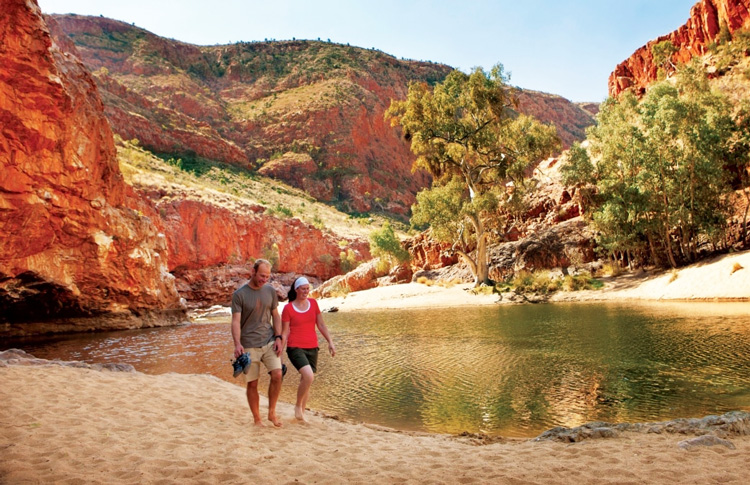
point(466, 134)
point(660, 169)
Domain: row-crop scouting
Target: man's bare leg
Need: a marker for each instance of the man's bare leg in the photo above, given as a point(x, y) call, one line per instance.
point(274, 389)
point(303, 391)
point(253, 399)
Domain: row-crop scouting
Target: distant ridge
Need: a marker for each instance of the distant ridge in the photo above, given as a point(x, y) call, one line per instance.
point(309, 113)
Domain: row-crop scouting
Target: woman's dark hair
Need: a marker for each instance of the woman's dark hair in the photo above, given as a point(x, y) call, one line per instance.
point(292, 295)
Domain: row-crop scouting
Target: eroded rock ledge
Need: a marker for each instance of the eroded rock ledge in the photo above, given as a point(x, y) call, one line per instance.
point(734, 423)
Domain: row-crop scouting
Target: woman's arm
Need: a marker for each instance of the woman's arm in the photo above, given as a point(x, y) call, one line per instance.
point(324, 332)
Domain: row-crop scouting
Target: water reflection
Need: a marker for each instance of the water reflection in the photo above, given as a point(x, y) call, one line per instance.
point(510, 370)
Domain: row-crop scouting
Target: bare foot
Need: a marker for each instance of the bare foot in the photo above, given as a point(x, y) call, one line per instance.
point(276, 421)
point(299, 414)
point(259, 423)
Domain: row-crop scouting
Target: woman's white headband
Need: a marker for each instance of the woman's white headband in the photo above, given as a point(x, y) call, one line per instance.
point(301, 281)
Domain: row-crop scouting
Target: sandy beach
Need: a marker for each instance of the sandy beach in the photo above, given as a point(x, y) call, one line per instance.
point(78, 423)
point(63, 424)
point(723, 278)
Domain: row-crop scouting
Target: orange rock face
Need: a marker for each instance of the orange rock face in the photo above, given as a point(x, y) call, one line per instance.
point(201, 235)
point(211, 247)
point(426, 253)
point(701, 29)
point(76, 241)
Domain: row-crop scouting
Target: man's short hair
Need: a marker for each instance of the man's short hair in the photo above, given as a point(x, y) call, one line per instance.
point(258, 262)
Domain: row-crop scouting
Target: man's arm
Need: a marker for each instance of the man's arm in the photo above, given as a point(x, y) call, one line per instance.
point(278, 344)
point(236, 332)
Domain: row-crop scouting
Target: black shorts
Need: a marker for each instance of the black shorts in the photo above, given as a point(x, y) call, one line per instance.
point(302, 357)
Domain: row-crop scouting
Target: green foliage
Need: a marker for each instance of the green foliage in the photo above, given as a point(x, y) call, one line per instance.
point(465, 126)
point(439, 208)
point(659, 173)
point(542, 282)
point(318, 222)
point(467, 136)
point(348, 261)
point(579, 169)
point(662, 53)
point(189, 163)
point(271, 253)
point(729, 49)
point(386, 246)
point(536, 282)
point(724, 36)
point(281, 211)
point(326, 259)
point(383, 266)
point(580, 282)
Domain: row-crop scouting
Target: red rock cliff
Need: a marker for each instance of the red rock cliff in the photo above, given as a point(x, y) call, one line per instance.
point(76, 242)
point(210, 247)
point(701, 29)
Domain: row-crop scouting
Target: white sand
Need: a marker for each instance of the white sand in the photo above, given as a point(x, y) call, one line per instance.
point(713, 280)
point(75, 425)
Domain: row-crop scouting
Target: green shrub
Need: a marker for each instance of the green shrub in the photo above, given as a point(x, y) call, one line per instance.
point(272, 255)
point(326, 259)
point(581, 282)
point(348, 261)
point(318, 222)
point(538, 282)
point(386, 246)
point(281, 211)
point(383, 266)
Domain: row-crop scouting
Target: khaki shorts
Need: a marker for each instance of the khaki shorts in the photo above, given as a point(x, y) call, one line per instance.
point(263, 354)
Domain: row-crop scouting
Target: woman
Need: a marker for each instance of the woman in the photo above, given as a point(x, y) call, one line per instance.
point(299, 319)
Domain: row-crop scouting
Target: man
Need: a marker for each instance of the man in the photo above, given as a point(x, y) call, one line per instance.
point(256, 326)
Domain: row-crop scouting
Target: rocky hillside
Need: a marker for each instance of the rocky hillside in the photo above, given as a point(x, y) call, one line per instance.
point(103, 236)
point(213, 232)
point(570, 119)
point(707, 18)
point(78, 249)
point(309, 113)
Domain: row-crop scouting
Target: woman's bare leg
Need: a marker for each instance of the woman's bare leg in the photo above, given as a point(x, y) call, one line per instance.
point(303, 392)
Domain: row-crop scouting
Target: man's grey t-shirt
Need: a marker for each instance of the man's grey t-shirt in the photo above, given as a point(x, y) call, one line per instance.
point(256, 307)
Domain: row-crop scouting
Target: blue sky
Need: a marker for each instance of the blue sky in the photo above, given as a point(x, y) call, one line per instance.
point(561, 47)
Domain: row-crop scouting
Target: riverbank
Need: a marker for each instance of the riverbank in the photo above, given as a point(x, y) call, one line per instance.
point(722, 278)
point(79, 423)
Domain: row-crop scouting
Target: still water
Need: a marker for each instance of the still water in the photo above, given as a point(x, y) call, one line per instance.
point(507, 370)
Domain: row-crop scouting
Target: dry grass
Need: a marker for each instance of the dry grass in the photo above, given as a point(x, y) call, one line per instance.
point(450, 283)
point(674, 275)
point(423, 280)
point(483, 290)
point(610, 269)
point(237, 190)
point(294, 102)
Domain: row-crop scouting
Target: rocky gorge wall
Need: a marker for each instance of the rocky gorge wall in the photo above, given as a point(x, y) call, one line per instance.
point(691, 40)
point(77, 242)
point(305, 112)
point(211, 248)
point(83, 250)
